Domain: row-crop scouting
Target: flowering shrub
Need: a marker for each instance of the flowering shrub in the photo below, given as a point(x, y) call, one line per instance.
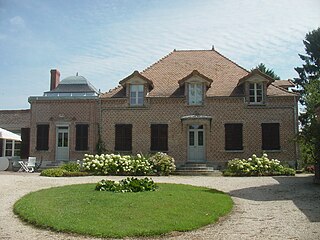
point(127, 185)
point(257, 166)
point(163, 164)
point(115, 164)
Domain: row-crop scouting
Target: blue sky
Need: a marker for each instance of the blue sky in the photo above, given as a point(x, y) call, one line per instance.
point(105, 41)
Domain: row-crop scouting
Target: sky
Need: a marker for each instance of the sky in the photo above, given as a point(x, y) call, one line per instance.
point(105, 41)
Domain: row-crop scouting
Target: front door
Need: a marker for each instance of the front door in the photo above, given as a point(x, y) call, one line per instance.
point(196, 147)
point(62, 143)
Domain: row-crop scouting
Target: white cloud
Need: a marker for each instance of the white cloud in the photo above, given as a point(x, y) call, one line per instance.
point(17, 21)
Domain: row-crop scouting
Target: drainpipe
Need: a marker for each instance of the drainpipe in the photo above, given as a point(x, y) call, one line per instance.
point(295, 110)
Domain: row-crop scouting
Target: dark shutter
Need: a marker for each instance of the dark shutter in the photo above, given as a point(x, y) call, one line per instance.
point(123, 137)
point(233, 136)
point(25, 143)
point(270, 136)
point(43, 137)
point(82, 137)
point(159, 137)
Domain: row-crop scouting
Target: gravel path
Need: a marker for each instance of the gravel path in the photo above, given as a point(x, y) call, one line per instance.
point(265, 207)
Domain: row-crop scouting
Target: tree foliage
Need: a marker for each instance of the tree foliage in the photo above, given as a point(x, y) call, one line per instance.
point(309, 87)
point(262, 67)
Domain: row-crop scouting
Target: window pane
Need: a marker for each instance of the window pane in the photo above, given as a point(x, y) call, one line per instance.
point(191, 138)
point(200, 138)
point(60, 139)
point(65, 140)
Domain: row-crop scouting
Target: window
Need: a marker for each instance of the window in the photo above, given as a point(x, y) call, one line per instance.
point(233, 136)
point(195, 93)
point(256, 93)
point(82, 137)
point(43, 137)
point(159, 137)
point(123, 137)
point(136, 95)
point(270, 136)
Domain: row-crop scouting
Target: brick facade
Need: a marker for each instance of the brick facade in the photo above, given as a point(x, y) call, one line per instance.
point(63, 113)
point(222, 110)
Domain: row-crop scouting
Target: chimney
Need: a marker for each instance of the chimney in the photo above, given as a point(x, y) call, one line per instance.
point(55, 78)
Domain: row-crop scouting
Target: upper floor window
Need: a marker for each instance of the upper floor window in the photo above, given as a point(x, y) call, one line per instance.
point(136, 94)
point(256, 92)
point(195, 93)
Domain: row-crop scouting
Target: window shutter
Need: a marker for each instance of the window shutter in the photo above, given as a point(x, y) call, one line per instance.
point(159, 137)
point(82, 137)
point(233, 137)
point(43, 137)
point(270, 136)
point(123, 137)
point(25, 143)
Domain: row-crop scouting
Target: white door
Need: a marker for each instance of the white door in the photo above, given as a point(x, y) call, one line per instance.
point(196, 143)
point(62, 143)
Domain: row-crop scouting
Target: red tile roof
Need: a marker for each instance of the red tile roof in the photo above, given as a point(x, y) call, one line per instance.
point(166, 73)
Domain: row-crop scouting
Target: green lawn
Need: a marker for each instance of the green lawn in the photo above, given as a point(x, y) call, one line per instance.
point(81, 209)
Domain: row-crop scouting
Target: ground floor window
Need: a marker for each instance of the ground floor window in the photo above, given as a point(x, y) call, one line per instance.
point(159, 137)
point(270, 136)
point(42, 137)
point(233, 136)
point(123, 137)
point(82, 137)
point(10, 148)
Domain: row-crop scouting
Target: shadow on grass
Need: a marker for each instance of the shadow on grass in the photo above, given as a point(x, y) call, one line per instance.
point(301, 190)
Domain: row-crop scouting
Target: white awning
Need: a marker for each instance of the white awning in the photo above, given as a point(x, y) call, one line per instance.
point(5, 134)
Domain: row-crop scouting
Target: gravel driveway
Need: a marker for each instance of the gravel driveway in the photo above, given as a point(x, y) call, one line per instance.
point(265, 207)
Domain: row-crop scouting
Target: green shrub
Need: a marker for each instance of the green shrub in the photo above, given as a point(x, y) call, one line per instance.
point(75, 174)
point(53, 172)
point(256, 166)
point(71, 167)
point(129, 184)
point(163, 164)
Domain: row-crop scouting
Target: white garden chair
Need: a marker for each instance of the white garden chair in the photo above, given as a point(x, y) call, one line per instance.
point(28, 166)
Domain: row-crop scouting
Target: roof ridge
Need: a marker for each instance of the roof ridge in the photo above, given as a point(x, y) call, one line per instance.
point(161, 59)
point(230, 60)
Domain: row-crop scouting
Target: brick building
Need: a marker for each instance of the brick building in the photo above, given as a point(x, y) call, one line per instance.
point(197, 106)
point(16, 121)
point(64, 120)
point(200, 106)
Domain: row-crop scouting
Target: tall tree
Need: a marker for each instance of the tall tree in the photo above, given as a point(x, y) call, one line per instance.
point(262, 67)
point(309, 87)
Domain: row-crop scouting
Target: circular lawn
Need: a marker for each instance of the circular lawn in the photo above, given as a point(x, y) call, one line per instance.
point(83, 210)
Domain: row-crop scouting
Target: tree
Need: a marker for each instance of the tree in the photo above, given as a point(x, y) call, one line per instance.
point(267, 71)
point(310, 70)
point(309, 88)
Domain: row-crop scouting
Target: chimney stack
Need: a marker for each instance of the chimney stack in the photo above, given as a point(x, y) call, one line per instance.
point(55, 78)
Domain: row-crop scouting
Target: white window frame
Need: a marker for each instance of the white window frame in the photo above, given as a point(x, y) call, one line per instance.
point(135, 90)
point(13, 148)
point(256, 95)
point(195, 97)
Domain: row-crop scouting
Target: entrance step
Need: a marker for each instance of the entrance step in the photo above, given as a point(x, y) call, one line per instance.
point(196, 168)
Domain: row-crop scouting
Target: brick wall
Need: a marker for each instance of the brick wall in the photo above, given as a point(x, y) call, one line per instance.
point(70, 112)
point(222, 110)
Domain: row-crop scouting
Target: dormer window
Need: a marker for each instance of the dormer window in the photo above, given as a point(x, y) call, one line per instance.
point(136, 94)
point(195, 93)
point(256, 93)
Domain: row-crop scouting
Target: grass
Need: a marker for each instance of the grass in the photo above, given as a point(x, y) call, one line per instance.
point(81, 209)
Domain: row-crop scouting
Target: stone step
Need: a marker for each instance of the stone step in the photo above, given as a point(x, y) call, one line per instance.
point(195, 168)
point(198, 173)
